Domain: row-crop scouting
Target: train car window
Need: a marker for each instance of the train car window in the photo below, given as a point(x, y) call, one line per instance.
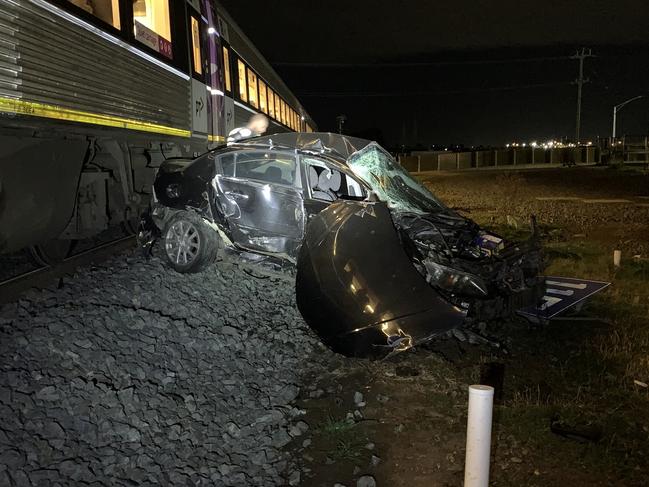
point(263, 105)
point(105, 10)
point(284, 117)
point(252, 89)
point(278, 108)
point(226, 68)
point(243, 86)
point(152, 26)
point(271, 103)
point(196, 46)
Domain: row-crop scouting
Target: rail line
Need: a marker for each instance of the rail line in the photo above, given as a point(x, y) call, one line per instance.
point(11, 288)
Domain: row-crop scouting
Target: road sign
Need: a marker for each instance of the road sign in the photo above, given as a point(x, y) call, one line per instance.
point(562, 293)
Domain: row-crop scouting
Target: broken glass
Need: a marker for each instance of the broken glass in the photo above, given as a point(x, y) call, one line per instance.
point(391, 182)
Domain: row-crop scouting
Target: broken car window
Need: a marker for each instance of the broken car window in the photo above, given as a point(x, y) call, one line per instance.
point(391, 182)
point(269, 167)
point(329, 184)
point(227, 164)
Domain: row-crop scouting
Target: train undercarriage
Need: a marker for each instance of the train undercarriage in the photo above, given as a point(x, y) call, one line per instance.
point(57, 189)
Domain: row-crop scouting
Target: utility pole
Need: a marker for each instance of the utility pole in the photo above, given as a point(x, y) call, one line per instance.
point(340, 120)
point(581, 55)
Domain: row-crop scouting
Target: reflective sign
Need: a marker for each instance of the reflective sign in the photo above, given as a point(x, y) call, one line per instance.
point(562, 293)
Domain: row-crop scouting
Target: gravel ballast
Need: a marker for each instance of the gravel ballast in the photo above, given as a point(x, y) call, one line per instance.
point(133, 374)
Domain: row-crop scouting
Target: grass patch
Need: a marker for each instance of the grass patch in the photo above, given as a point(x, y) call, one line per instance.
point(334, 427)
point(342, 438)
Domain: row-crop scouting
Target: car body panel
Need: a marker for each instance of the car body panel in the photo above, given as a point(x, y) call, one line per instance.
point(261, 216)
point(357, 288)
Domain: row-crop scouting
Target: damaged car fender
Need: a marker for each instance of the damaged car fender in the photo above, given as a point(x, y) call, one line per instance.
point(357, 288)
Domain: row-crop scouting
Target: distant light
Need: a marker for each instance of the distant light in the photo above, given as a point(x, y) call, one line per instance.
point(524, 144)
point(211, 30)
point(507, 145)
point(303, 119)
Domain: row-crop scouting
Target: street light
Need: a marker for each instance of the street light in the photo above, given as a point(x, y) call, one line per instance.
point(619, 107)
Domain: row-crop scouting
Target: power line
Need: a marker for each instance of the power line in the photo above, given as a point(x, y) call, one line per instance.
point(369, 94)
point(418, 64)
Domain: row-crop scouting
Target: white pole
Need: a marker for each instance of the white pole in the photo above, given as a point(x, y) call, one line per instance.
point(478, 436)
point(617, 257)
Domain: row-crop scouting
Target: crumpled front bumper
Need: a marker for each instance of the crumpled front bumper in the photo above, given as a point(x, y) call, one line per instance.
point(357, 288)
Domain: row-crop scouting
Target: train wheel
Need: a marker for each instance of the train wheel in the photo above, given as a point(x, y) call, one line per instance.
point(51, 252)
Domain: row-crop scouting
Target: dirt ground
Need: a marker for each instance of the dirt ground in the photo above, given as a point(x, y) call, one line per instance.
point(572, 402)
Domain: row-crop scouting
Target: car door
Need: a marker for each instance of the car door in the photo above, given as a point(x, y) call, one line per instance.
point(260, 193)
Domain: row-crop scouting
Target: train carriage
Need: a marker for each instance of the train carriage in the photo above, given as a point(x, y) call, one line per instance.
point(95, 94)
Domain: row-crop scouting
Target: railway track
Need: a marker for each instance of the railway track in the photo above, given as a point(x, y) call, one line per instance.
point(44, 276)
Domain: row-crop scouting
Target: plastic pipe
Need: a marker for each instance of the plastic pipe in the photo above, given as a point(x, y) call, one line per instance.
point(617, 257)
point(478, 436)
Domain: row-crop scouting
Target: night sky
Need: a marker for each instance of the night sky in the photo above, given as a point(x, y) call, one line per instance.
point(462, 72)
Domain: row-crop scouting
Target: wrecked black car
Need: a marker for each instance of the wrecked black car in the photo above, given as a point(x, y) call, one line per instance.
point(381, 264)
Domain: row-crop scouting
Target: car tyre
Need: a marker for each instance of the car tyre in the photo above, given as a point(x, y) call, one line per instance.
point(190, 245)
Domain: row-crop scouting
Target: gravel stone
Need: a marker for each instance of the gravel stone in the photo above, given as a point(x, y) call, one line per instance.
point(133, 371)
point(366, 481)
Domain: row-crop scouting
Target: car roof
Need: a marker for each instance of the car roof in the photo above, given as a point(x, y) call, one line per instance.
point(325, 143)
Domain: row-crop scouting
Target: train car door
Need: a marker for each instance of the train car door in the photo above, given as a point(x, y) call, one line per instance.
point(199, 68)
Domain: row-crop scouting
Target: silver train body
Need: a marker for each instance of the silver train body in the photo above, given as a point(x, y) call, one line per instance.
point(93, 100)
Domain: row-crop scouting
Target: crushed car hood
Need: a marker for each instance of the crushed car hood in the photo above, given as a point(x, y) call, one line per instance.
point(357, 288)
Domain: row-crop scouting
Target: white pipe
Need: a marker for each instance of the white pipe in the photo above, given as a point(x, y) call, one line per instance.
point(617, 257)
point(478, 436)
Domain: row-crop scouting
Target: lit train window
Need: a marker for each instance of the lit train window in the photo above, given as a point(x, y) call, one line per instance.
point(252, 89)
point(196, 46)
point(243, 86)
point(105, 10)
point(284, 113)
point(226, 68)
point(271, 103)
point(278, 108)
point(263, 106)
point(151, 25)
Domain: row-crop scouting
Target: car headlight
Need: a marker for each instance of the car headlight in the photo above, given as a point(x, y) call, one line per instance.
point(455, 281)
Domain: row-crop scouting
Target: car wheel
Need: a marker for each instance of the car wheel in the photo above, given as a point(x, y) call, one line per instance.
point(190, 244)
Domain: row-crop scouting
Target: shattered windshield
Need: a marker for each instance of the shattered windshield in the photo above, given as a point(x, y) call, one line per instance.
point(391, 182)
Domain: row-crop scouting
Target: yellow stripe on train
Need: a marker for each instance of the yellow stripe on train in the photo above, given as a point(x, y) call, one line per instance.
point(22, 107)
